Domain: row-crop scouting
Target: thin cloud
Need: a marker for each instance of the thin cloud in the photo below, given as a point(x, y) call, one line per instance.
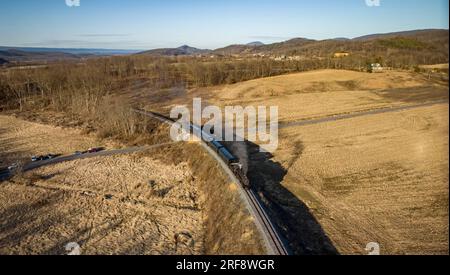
point(105, 35)
point(70, 43)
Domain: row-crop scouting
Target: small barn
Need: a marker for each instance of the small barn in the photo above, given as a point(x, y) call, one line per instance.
point(341, 54)
point(375, 68)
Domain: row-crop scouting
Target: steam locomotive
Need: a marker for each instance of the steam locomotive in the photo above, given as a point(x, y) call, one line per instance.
point(233, 162)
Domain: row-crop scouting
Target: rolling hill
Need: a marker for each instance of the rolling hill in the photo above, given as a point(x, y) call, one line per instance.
point(14, 55)
point(256, 43)
point(418, 34)
point(183, 50)
point(430, 41)
point(27, 54)
point(429, 45)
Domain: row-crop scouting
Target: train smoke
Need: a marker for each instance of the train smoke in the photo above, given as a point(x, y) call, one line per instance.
point(239, 149)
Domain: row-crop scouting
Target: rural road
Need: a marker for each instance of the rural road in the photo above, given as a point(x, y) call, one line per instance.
point(5, 173)
point(358, 114)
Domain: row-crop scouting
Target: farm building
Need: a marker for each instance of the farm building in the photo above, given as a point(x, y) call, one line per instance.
point(341, 54)
point(375, 68)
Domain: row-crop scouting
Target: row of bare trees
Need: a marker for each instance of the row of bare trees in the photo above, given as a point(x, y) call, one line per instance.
point(83, 90)
point(89, 89)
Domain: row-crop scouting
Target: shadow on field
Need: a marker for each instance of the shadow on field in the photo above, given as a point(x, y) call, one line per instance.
point(298, 225)
point(415, 95)
point(25, 229)
point(9, 156)
point(19, 221)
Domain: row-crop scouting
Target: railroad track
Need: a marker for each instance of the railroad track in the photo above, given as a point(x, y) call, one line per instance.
point(273, 240)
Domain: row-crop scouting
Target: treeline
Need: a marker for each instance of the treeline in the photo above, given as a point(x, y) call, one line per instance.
point(85, 91)
point(230, 72)
point(71, 86)
point(395, 52)
point(90, 89)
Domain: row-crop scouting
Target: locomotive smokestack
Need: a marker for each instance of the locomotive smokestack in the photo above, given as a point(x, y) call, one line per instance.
point(239, 149)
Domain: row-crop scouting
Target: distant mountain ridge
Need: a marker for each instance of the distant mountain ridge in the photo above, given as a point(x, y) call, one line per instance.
point(436, 41)
point(30, 54)
point(80, 51)
point(256, 43)
point(183, 50)
point(297, 45)
point(15, 55)
point(414, 33)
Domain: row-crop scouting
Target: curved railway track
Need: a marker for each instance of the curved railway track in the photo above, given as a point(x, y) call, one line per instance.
point(274, 242)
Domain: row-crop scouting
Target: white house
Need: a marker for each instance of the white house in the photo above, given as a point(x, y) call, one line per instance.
point(375, 68)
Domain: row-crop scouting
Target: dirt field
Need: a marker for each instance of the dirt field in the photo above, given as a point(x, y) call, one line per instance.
point(19, 140)
point(327, 92)
point(129, 204)
point(173, 200)
point(382, 178)
point(332, 187)
point(436, 66)
point(342, 184)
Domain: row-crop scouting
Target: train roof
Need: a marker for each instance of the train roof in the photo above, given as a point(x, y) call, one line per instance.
point(227, 154)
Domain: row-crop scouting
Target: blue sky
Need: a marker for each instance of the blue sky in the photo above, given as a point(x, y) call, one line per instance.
point(147, 24)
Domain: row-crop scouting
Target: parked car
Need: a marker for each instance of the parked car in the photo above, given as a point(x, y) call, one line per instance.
point(89, 151)
point(40, 158)
point(49, 156)
point(94, 150)
point(13, 167)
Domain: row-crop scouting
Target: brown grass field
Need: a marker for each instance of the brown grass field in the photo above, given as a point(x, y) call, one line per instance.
point(328, 92)
point(130, 204)
point(332, 187)
point(381, 178)
point(376, 178)
point(151, 203)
